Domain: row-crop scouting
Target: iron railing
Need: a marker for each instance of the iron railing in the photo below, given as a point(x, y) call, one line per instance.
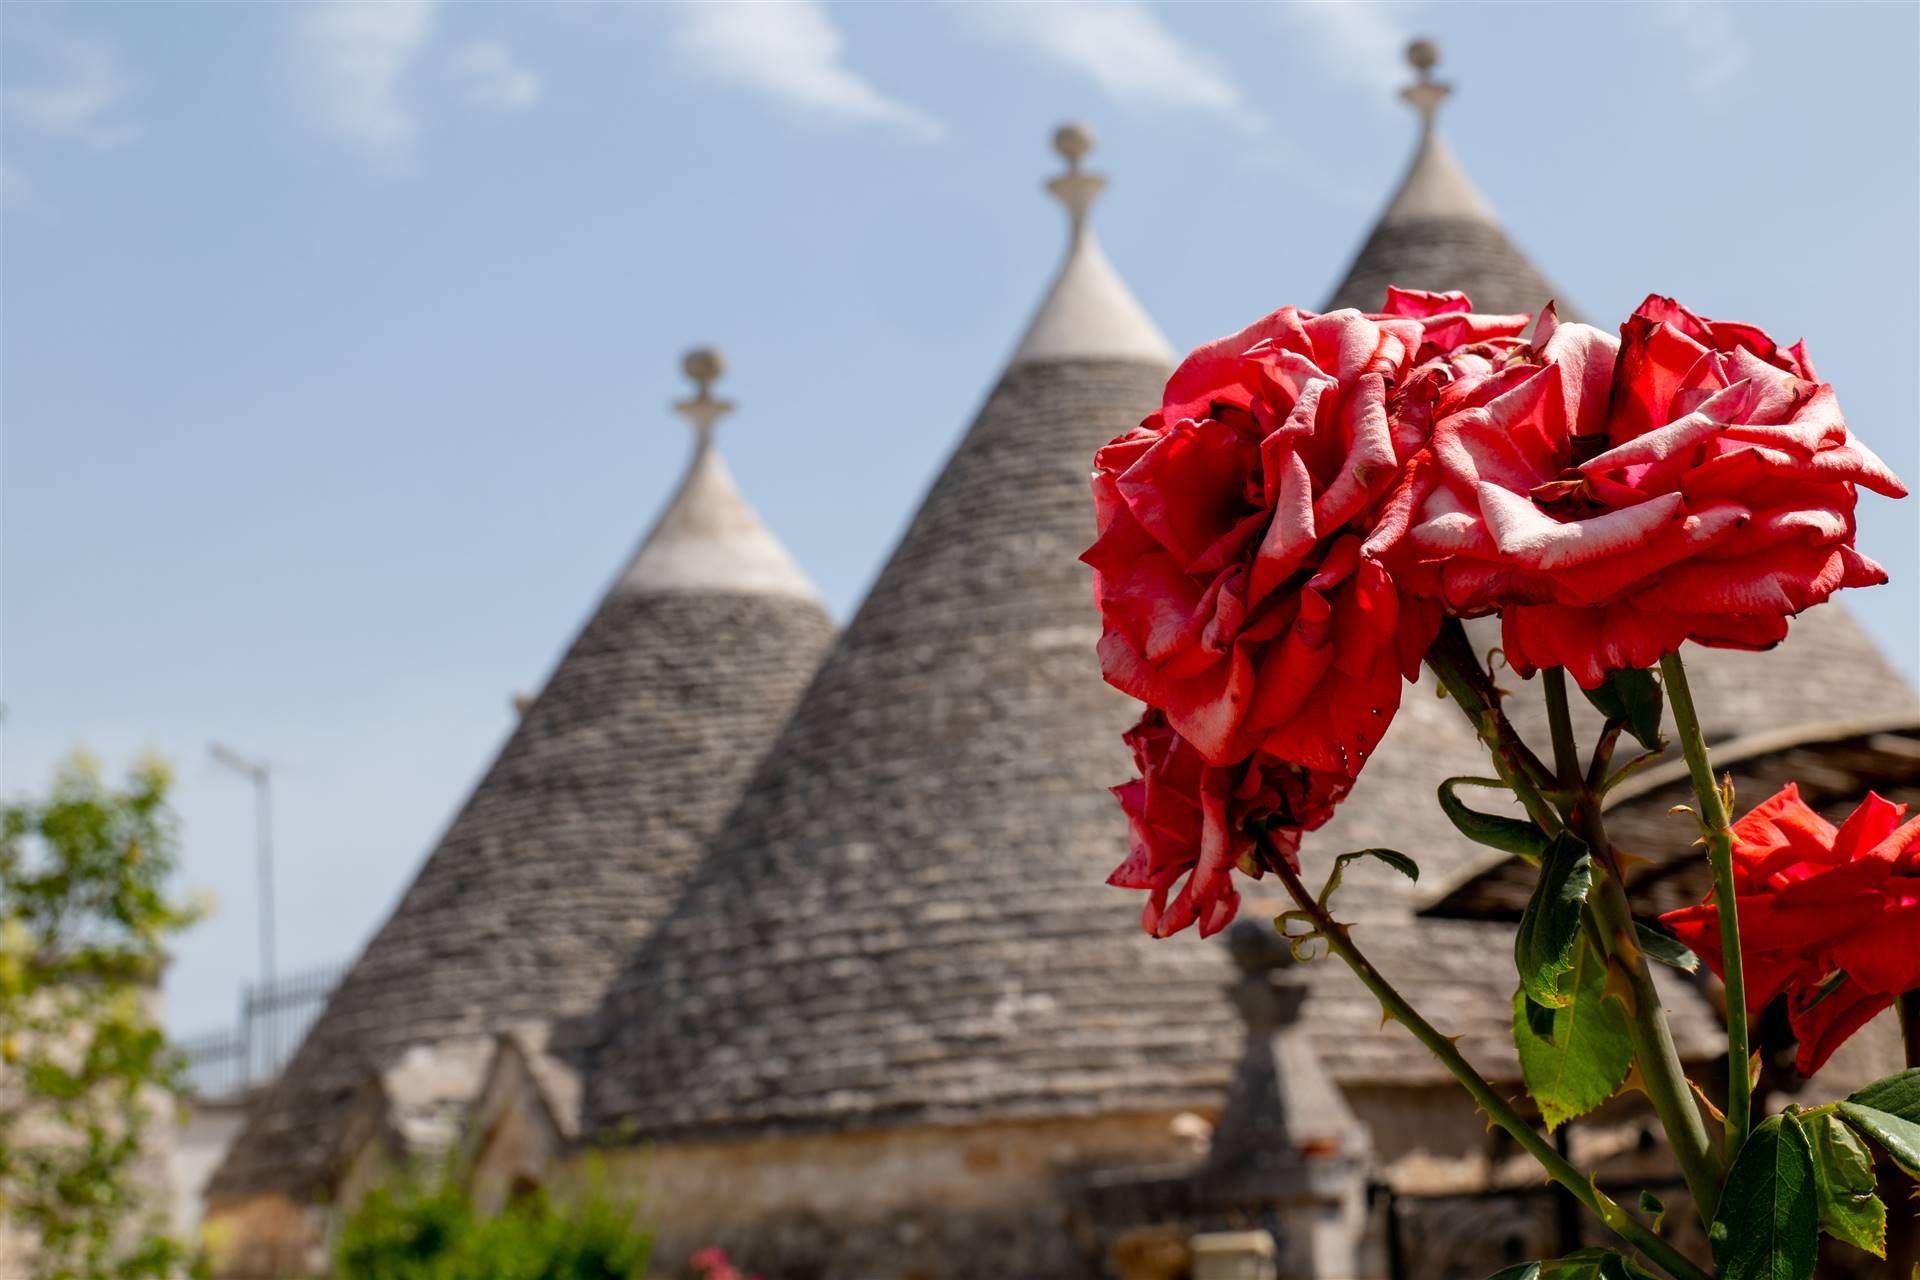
point(274, 1018)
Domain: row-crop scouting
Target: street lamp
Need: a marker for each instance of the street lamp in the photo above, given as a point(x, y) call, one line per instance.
point(256, 771)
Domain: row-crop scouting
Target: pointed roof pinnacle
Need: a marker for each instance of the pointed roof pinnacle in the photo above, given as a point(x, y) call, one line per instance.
point(1076, 188)
point(705, 365)
point(1435, 186)
point(710, 538)
point(1089, 314)
point(1425, 94)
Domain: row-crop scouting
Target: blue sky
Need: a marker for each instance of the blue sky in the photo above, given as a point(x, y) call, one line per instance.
point(335, 341)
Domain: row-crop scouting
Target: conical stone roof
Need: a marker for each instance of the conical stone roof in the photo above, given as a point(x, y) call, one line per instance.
point(583, 829)
point(1438, 231)
point(905, 921)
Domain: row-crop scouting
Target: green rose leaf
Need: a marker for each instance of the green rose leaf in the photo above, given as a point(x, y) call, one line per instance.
point(1633, 699)
point(1899, 1135)
point(1889, 1110)
point(1543, 948)
point(1392, 857)
point(1511, 835)
point(1668, 951)
point(1768, 1226)
point(1843, 1182)
point(1655, 1208)
point(1587, 1264)
point(1897, 1095)
point(1580, 1063)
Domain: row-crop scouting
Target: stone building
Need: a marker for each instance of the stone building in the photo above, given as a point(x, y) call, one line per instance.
point(893, 1023)
point(574, 843)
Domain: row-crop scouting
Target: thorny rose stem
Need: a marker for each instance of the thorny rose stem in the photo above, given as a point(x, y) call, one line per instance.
point(1719, 836)
point(1662, 1078)
point(1497, 1108)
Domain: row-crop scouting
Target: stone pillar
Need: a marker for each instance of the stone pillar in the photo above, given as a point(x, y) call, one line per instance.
point(1287, 1142)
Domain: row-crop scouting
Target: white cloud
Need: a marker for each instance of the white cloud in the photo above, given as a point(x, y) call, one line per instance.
point(1705, 36)
point(791, 52)
point(1364, 44)
point(1123, 48)
point(354, 56)
point(493, 77)
point(79, 103)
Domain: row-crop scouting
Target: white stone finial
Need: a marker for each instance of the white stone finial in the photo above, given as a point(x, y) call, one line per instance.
point(1075, 188)
point(704, 365)
point(1425, 94)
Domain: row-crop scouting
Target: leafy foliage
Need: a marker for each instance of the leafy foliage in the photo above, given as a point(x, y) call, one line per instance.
point(1509, 835)
point(84, 920)
point(1586, 1264)
point(422, 1227)
point(1843, 1182)
point(1767, 1227)
point(1543, 948)
point(1575, 1056)
point(1668, 951)
point(1889, 1111)
point(1392, 857)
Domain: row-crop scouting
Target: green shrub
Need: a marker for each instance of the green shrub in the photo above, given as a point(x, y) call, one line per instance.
point(422, 1228)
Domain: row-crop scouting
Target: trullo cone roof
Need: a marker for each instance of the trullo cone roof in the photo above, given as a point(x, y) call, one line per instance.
point(906, 919)
point(583, 829)
point(1438, 231)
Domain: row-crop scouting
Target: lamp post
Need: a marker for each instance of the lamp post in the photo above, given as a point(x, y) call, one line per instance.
point(256, 771)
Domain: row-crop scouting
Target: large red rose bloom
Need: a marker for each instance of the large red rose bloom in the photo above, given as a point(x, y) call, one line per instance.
point(1614, 499)
point(1240, 578)
point(1238, 565)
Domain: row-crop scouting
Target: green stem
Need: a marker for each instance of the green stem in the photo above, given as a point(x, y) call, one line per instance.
point(1910, 1026)
point(1714, 821)
point(1566, 756)
point(1454, 664)
point(1662, 1076)
point(1498, 1109)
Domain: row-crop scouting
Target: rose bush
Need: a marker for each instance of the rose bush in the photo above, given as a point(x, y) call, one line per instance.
point(1829, 916)
point(1283, 542)
point(1612, 499)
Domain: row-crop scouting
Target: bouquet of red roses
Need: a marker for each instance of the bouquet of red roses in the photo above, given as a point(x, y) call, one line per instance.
point(1303, 524)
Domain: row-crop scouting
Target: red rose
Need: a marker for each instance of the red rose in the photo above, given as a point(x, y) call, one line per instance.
point(1829, 917)
point(1699, 487)
point(1188, 818)
point(1241, 529)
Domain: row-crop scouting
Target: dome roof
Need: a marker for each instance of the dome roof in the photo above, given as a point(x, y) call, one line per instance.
point(905, 920)
point(581, 831)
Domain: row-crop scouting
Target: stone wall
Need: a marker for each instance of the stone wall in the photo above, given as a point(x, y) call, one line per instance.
point(916, 1203)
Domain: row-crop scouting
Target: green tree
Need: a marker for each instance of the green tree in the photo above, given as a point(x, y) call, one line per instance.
point(84, 921)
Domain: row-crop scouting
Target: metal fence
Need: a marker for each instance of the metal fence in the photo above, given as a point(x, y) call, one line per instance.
point(274, 1018)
